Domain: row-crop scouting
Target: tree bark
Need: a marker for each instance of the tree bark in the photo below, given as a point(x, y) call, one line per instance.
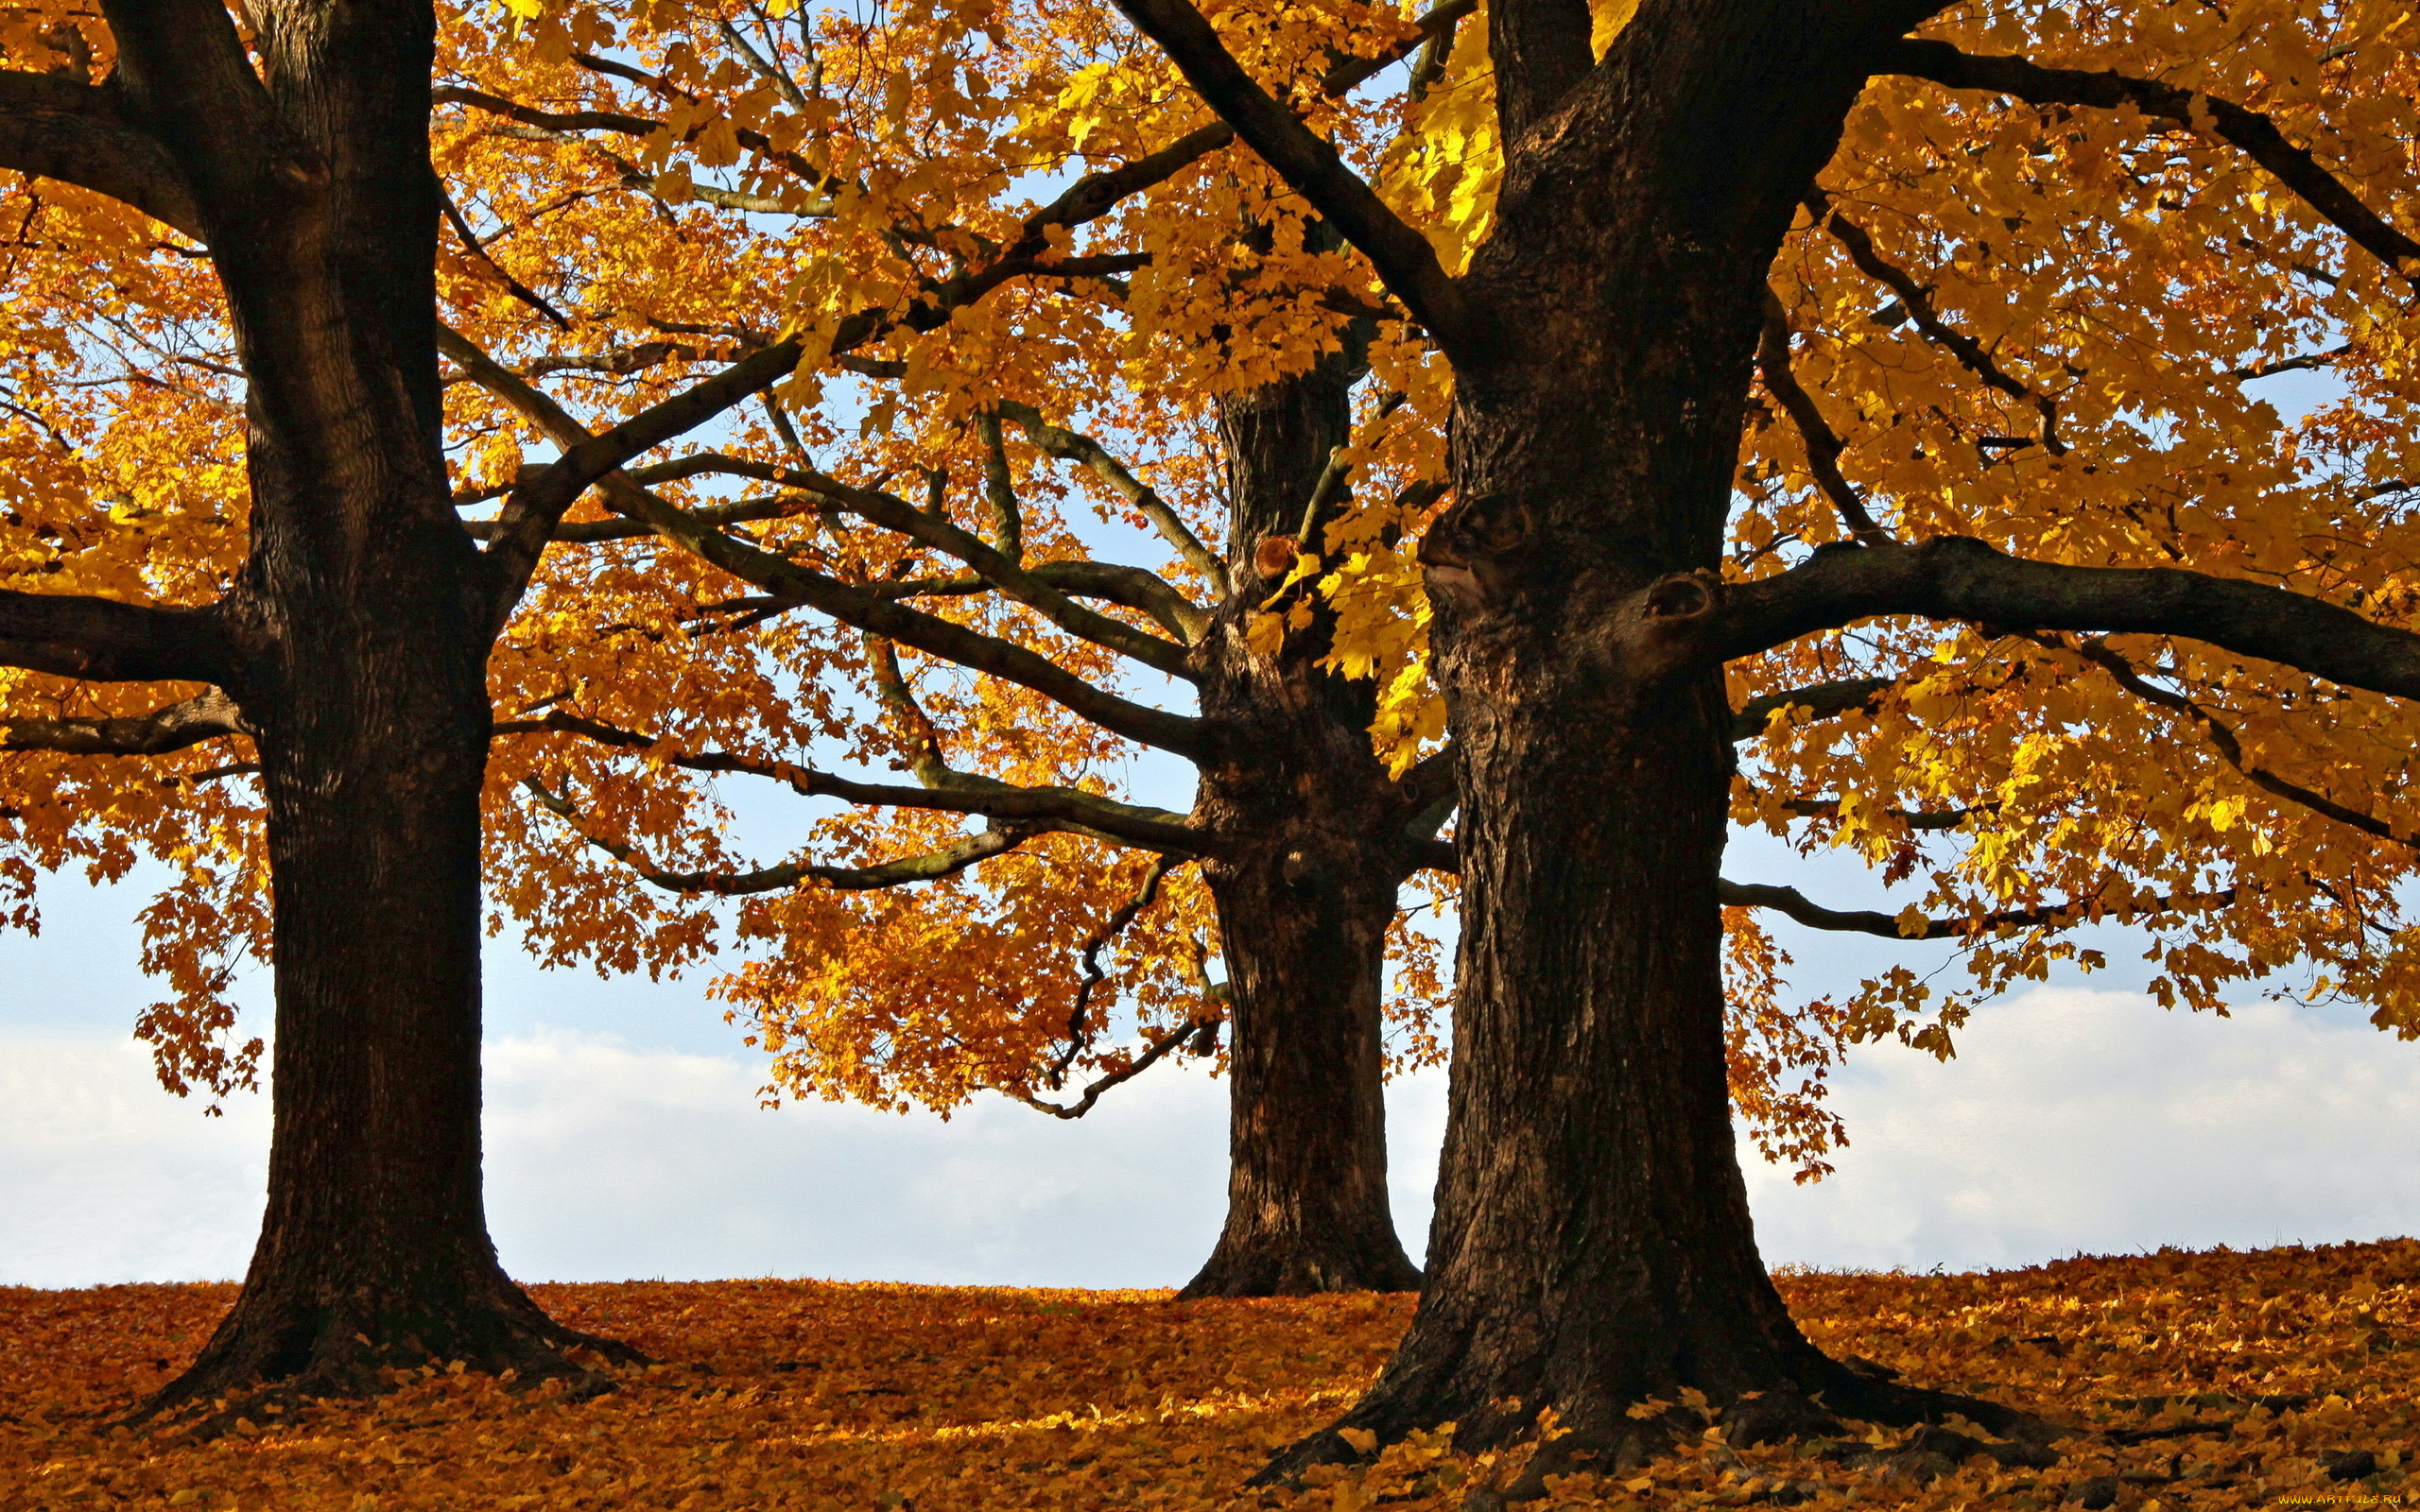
point(364, 614)
point(1592, 1247)
point(1303, 922)
point(1304, 904)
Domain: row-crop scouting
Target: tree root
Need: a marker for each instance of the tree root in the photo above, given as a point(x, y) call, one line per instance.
point(1620, 1444)
point(265, 1363)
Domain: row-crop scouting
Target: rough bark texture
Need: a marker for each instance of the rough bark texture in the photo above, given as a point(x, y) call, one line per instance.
point(1304, 903)
point(364, 616)
point(1592, 1247)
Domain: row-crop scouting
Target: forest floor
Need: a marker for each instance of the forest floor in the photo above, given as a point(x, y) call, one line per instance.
point(2200, 1380)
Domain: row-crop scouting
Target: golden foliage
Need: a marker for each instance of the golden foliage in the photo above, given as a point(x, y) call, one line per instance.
point(648, 190)
point(824, 1395)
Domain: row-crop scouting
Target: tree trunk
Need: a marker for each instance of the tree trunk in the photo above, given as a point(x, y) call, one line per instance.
point(1304, 928)
point(1592, 1247)
point(1303, 909)
point(365, 614)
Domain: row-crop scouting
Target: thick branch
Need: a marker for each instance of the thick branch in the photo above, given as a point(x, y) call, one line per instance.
point(1095, 195)
point(78, 133)
point(186, 75)
point(1540, 50)
point(1956, 578)
point(1109, 582)
point(1441, 855)
point(207, 716)
point(2255, 134)
point(585, 532)
point(105, 640)
point(1310, 166)
point(1433, 778)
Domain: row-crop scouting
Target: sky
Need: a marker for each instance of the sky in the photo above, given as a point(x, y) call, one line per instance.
point(625, 1141)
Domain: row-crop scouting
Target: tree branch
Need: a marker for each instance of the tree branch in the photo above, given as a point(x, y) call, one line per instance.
point(1310, 166)
point(1000, 491)
point(102, 640)
point(205, 717)
point(1434, 25)
point(1957, 578)
point(2304, 363)
point(1083, 1105)
point(2255, 134)
point(1808, 808)
point(78, 133)
point(1541, 51)
point(1073, 447)
point(896, 514)
point(587, 532)
point(1133, 824)
point(1821, 700)
point(186, 76)
point(1433, 779)
point(928, 866)
point(1126, 913)
point(869, 609)
point(1109, 582)
point(1918, 303)
point(2230, 748)
point(1795, 905)
point(1823, 446)
point(533, 509)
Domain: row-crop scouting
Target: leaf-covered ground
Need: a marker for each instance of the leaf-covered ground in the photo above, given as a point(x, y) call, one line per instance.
point(814, 1394)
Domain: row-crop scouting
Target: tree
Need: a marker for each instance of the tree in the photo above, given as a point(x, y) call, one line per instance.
point(1593, 1250)
point(333, 608)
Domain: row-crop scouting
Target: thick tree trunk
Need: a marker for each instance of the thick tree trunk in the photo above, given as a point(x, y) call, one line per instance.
point(366, 614)
point(1592, 1247)
point(1304, 908)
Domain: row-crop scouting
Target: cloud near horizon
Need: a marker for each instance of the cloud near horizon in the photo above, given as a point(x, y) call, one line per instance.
point(2073, 1121)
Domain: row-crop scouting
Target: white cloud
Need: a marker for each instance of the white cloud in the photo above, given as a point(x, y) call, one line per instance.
point(105, 1178)
point(2073, 1120)
point(2087, 1120)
